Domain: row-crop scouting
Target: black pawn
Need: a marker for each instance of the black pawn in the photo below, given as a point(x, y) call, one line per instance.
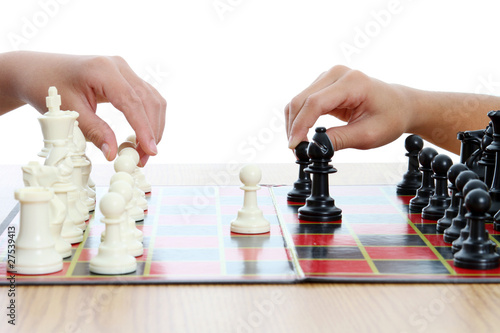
point(302, 187)
point(320, 207)
point(425, 191)
point(487, 160)
point(440, 200)
point(464, 233)
point(459, 222)
point(476, 250)
point(495, 147)
point(412, 179)
point(452, 211)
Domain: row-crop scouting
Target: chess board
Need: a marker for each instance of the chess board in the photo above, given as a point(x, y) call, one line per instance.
point(187, 239)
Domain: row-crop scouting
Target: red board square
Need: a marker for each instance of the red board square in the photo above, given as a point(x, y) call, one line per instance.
point(334, 266)
point(405, 199)
point(400, 252)
point(323, 240)
point(88, 254)
point(198, 268)
point(244, 254)
point(489, 227)
point(417, 219)
point(186, 242)
point(383, 229)
point(436, 240)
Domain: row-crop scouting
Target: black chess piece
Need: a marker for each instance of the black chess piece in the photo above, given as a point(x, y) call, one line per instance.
point(302, 187)
point(476, 250)
point(412, 179)
point(470, 152)
point(457, 224)
point(495, 147)
point(452, 211)
point(487, 160)
point(425, 191)
point(320, 207)
point(440, 200)
point(464, 233)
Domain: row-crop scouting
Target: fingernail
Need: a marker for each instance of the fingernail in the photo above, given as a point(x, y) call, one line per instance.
point(152, 147)
point(290, 142)
point(143, 160)
point(105, 150)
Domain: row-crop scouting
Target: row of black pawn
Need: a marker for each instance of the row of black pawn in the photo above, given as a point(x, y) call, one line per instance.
point(461, 217)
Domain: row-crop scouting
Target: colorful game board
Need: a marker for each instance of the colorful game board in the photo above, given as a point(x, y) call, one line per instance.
point(187, 240)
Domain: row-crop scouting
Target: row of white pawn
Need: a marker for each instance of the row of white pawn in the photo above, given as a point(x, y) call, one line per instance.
point(40, 247)
point(121, 207)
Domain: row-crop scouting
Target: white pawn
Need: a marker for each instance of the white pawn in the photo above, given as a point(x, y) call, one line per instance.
point(127, 227)
point(139, 195)
point(35, 251)
point(127, 164)
point(250, 219)
point(112, 258)
point(126, 144)
point(142, 183)
point(123, 176)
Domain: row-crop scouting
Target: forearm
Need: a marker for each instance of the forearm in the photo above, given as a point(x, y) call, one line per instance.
point(9, 97)
point(439, 116)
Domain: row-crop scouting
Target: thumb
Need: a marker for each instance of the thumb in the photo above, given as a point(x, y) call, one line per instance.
point(352, 135)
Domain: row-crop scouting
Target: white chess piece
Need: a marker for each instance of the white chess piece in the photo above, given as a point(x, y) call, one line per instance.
point(132, 138)
point(57, 128)
point(57, 178)
point(250, 219)
point(130, 233)
point(127, 164)
point(139, 177)
point(57, 215)
point(112, 257)
point(35, 247)
point(126, 144)
point(53, 103)
point(81, 160)
point(123, 176)
point(139, 194)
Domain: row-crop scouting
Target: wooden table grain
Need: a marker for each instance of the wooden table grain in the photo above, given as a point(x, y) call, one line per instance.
point(305, 307)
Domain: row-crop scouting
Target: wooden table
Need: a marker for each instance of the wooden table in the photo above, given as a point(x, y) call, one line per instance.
point(335, 307)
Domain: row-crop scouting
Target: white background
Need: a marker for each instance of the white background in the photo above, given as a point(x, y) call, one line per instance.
point(227, 68)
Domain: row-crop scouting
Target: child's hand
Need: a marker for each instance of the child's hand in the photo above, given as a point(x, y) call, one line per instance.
point(376, 112)
point(85, 81)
